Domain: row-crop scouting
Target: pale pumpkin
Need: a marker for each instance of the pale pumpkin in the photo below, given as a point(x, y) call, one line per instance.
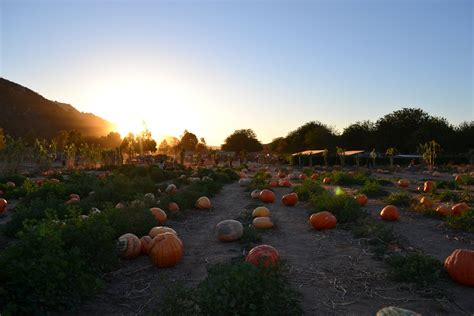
point(460, 266)
point(261, 211)
point(267, 196)
point(159, 214)
point(74, 196)
point(119, 205)
point(290, 199)
point(395, 311)
point(161, 230)
point(166, 250)
point(262, 222)
point(72, 201)
point(255, 194)
point(263, 255)
point(229, 230)
point(171, 189)
point(390, 213)
point(323, 220)
point(203, 203)
point(129, 246)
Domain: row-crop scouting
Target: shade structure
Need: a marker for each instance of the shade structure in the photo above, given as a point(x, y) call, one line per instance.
point(353, 152)
point(309, 152)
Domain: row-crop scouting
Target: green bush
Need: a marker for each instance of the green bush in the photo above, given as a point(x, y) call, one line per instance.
point(344, 207)
point(377, 235)
point(444, 184)
point(464, 222)
point(398, 199)
point(446, 196)
point(416, 268)
point(259, 181)
point(344, 178)
point(307, 189)
point(372, 189)
point(235, 289)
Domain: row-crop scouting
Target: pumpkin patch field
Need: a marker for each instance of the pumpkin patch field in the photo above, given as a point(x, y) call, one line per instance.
point(139, 240)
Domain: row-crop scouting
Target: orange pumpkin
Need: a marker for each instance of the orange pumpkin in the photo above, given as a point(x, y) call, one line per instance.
point(302, 176)
point(129, 246)
point(166, 250)
point(173, 207)
point(403, 183)
point(255, 194)
point(361, 199)
point(171, 189)
point(161, 230)
point(203, 203)
point(159, 214)
point(261, 211)
point(3, 205)
point(72, 201)
point(267, 196)
point(284, 183)
point(263, 255)
point(458, 178)
point(327, 180)
point(229, 230)
point(262, 222)
point(74, 196)
point(459, 208)
point(460, 266)
point(290, 199)
point(426, 202)
point(428, 186)
point(145, 242)
point(281, 175)
point(314, 176)
point(444, 210)
point(323, 220)
point(390, 213)
point(273, 184)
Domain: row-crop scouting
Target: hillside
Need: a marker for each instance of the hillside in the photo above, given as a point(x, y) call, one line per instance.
point(24, 112)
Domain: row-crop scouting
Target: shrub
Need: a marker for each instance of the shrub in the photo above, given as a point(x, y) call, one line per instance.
point(446, 196)
point(235, 289)
point(464, 222)
point(444, 184)
point(307, 189)
point(398, 199)
point(376, 233)
point(372, 189)
point(343, 206)
point(423, 270)
point(259, 181)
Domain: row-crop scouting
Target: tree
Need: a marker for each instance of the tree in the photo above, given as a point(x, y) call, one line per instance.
point(430, 151)
point(360, 135)
point(188, 141)
point(2, 139)
point(242, 141)
point(145, 141)
point(201, 147)
point(164, 148)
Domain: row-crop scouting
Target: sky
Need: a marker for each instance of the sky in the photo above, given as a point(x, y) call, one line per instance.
point(216, 66)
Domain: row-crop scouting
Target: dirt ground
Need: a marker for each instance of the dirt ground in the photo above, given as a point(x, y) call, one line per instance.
point(335, 272)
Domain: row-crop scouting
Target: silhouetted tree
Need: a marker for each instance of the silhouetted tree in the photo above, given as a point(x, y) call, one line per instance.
point(188, 141)
point(242, 141)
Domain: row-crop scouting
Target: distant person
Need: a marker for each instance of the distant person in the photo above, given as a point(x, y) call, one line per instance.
point(411, 164)
point(373, 156)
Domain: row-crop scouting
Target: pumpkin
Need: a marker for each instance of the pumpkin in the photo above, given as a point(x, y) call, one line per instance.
point(302, 176)
point(273, 184)
point(281, 175)
point(243, 175)
point(444, 210)
point(327, 180)
point(255, 194)
point(459, 208)
point(74, 196)
point(72, 201)
point(203, 203)
point(159, 214)
point(284, 183)
point(314, 176)
point(428, 186)
point(244, 182)
point(323, 220)
point(145, 242)
point(137, 204)
point(166, 250)
point(171, 189)
point(161, 230)
point(119, 205)
point(290, 199)
point(267, 196)
point(129, 246)
point(173, 207)
point(426, 202)
point(10, 184)
point(263, 255)
point(403, 183)
point(395, 311)
point(361, 199)
point(460, 266)
point(390, 213)
point(419, 189)
point(261, 211)
point(458, 178)
point(436, 174)
point(262, 222)
point(149, 198)
point(3, 205)
point(291, 176)
point(94, 210)
point(229, 230)
point(54, 180)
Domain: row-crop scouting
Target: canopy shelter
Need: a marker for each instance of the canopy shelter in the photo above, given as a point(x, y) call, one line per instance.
point(309, 153)
point(409, 156)
point(352, 152)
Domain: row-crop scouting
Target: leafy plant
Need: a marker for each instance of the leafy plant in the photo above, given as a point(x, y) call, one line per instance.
point(421, 269)
point(398, 199)
point(307, 189)
point(464, 222)
point(372, 189)
point(343, 206)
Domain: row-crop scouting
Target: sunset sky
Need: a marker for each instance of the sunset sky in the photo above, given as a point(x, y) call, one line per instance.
point(216, 66)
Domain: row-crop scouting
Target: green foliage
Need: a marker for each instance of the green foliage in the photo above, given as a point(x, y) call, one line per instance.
point(372, 189)
point(259, 181)
point(344, 207)
point(376, 234)
point(398, 199)
point(423, 270)
point(464, 222)
point(243, 140)
point(446, 196)
point(235, 289)
point(251, 236)
point(307, 189)
point(444, 184)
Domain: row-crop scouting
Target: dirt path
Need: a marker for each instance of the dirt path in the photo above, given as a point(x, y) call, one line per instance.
point(136, 285)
